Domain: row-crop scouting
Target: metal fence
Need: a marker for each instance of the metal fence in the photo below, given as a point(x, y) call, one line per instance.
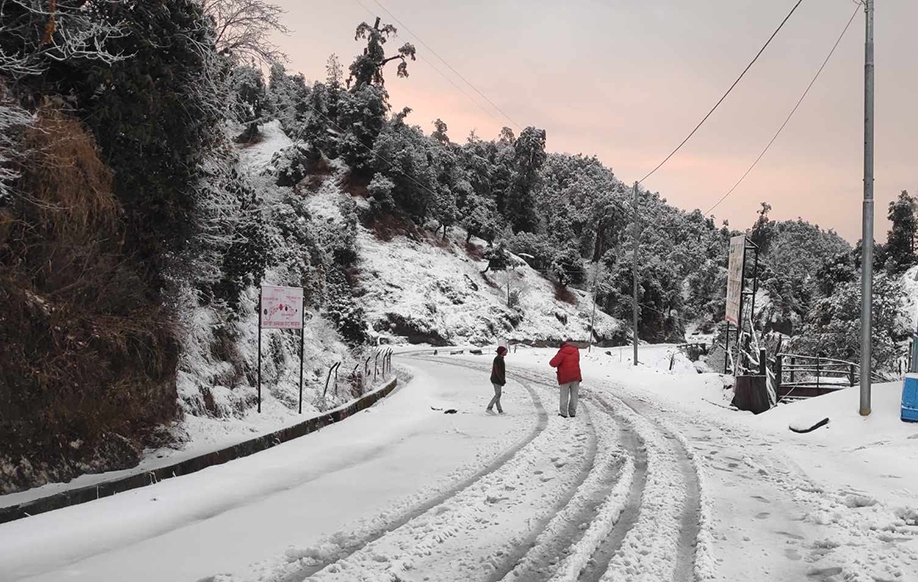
point(798, 376)
point(364, 374)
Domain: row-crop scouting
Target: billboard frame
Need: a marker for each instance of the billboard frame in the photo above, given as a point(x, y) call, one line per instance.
point(748, 247)
point(292, 293)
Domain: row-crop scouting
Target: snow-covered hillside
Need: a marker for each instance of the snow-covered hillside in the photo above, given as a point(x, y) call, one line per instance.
point(418, 288)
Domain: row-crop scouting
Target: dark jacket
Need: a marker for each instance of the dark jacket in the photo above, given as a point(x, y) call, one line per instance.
point(567, 361)
point(498, 371)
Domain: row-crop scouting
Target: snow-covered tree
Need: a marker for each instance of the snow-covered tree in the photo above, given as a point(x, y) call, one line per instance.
point(900, 241)
point(361, 117)
point(367, 68)
point(528, 156)
point(249, 96)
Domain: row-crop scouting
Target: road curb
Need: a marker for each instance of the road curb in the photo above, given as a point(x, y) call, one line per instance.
point(188, 466)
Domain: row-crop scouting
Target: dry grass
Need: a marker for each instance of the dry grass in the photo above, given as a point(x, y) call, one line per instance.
point(564, 294)
point(387, 227)
point(87, 351)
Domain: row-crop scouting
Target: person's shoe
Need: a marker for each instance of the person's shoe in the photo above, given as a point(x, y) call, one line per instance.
point(561, 415)
point(572, 416)
point(500, 412)
point(489, 411)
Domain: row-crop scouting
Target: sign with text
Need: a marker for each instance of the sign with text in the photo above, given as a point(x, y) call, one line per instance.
point(735, 279)
point(281, 307)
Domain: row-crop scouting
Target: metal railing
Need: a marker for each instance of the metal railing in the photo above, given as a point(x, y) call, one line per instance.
point(382, 366)
point(798, 376)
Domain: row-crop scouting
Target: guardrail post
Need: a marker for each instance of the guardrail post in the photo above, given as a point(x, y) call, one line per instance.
point(327, 378)
point(818, 373)
point(376, 366)
point(763, 370)
point(336, 366)
point(778, 371)
point(851, 374)
point(793, 361)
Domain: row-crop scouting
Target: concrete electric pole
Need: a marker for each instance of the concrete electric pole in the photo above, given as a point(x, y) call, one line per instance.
point(637, 235)
point(867, 237)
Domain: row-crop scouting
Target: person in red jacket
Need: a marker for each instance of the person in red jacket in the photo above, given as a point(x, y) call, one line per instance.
point(567, 362)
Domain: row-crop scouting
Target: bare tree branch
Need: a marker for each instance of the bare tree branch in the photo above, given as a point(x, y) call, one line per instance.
point(243, 28)
point(48, 33)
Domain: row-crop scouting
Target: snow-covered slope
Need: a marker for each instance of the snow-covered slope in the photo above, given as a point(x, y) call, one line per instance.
point(420, 288)
point(436, 291)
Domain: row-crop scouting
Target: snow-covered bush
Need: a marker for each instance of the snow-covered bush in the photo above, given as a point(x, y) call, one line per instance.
point(291, 164)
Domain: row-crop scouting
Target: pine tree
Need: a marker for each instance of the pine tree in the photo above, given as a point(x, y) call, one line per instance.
point(528, 157)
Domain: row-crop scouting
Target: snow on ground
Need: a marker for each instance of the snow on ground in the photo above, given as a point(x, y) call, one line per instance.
point(385, 460)
point(257, 157)
point(837, 504)
point(656, 479)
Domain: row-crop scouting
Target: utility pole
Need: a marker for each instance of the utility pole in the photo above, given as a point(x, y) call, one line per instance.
point(597, 254)
point(867, 236)
point(637, 234)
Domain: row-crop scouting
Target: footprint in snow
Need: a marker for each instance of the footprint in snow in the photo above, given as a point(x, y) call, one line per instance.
point(792, 554)
point(763, 515)
point(760, 498)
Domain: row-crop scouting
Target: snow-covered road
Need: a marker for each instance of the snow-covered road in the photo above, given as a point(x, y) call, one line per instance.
point(640, 486)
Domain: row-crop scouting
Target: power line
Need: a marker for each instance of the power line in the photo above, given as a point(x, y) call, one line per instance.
point(735, 83)
point(433, 52)
point(794, 110)
point(434, 67)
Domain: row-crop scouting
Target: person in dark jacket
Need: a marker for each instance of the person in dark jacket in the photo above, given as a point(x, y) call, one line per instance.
point(567, 363)
point(498, 378)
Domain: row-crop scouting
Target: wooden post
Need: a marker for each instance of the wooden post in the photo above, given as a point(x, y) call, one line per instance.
point(851, 375)
point(763, 365)
point(792, 362)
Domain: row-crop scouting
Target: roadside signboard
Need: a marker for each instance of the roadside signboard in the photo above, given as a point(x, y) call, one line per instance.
point(735, 279)
point(281, 307)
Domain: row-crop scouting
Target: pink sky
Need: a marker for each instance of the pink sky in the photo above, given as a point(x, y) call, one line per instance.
point(627, 81)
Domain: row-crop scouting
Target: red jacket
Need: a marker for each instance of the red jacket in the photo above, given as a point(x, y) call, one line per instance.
point(567, 360)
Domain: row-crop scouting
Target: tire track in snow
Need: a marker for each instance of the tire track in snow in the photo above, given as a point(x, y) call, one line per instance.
point(615, 518)
point(314, 560)
point(609, 480)
point(651, 545)
point(565, 520)
point(589, 553)
point(454, 538)
point(687, 526)
point(644, 526)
